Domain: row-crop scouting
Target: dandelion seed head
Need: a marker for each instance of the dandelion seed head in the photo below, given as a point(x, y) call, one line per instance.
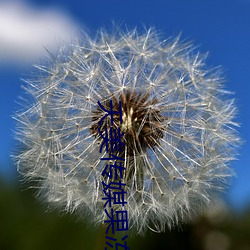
point(178, 124)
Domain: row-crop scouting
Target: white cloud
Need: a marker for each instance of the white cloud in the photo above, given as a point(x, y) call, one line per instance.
point(25, 31)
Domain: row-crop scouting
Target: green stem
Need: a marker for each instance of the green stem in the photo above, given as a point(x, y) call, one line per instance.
point(100, 239)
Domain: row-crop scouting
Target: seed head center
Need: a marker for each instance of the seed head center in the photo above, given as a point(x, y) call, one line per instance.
point(142, 123)
point(127, 120)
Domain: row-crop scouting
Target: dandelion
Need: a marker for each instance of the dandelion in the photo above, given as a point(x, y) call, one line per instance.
point(177, 120)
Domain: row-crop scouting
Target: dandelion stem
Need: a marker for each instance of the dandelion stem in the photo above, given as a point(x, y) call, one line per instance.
point(100, 239)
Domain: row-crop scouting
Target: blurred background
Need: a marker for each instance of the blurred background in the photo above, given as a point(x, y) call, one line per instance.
point(29, 28)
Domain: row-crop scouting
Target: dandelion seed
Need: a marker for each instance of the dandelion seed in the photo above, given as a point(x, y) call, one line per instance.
point(177, 120)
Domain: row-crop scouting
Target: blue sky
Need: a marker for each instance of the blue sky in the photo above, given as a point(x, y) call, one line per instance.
point(221, 27)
